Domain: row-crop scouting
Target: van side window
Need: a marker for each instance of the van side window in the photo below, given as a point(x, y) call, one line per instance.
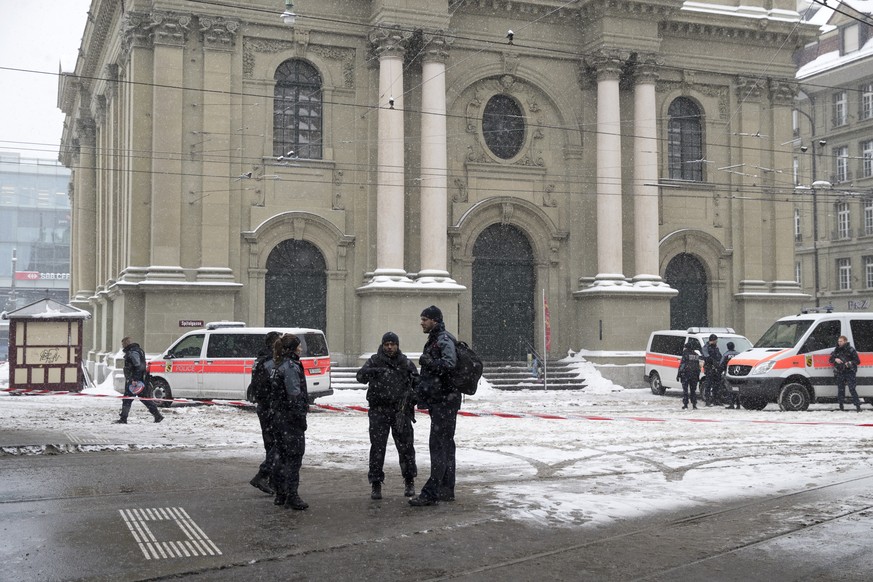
point(824, 336)
point(232, 345)
point(316, 346)
point(668, 344)
point(862, 334)
point(188, 347)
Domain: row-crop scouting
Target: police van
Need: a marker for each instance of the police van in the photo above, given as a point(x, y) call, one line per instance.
point(790, 364)
point(664, 351)
point(216, 362)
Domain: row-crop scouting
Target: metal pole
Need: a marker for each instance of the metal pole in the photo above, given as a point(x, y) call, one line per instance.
point(13, 301)
point(545, 353)
point(815, 238)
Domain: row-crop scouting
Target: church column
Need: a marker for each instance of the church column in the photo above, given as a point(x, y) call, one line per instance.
point(389, 46)
point(645, 175)
point(609, 224)
point(85, 210)
point(434, 160)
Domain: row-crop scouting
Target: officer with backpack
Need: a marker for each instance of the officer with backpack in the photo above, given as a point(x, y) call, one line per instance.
point(689, 374)
point(392, 379)
point(134, 379)
point(443, 400)
point(259, 388)
point(845, 361)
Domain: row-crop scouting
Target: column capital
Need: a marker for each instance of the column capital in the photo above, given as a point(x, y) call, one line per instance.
point(218, 33)
point(782, 92)
point(750, 88)
point(170, 28)
point(436, 46)
point(607, 63)
point(387, 41)
point(646, 69)
point(86, 131)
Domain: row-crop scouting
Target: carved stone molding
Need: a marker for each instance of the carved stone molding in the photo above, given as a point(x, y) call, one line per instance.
point(461, 191)
point(782, 93)
point(710, 32)
point(646, 69)
point(170, 28)
point(389, 41)
point(218, 33)
point(607, 63)
point(136, 31)
point(549, 199)
point(720, 92)
point(110, 73)
point(337, 203)
point(252, 46)
point(86, 131)
point(436, 46)
point(750, 89)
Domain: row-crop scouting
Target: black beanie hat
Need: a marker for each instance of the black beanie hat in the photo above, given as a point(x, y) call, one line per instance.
point(433, 312)
point(390, 337)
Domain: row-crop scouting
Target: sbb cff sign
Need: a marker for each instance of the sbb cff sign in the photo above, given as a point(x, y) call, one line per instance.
point(37, 276)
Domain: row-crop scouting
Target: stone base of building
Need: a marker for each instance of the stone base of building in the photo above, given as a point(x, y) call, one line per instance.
point(755, 312)
point(619, 318)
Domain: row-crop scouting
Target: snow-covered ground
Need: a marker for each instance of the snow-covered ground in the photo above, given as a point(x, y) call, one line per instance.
point(613, 453)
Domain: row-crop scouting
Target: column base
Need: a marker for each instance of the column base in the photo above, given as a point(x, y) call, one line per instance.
point(621, 317)
point(435, 278)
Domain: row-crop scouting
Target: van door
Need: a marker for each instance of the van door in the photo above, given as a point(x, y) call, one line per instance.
point(816, 351)
point(183, 366)
point(862, 340)
point(228, 357)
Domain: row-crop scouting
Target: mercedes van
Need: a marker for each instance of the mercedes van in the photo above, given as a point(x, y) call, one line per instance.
point(216, 362)
point(790, 364)
point(664, 351)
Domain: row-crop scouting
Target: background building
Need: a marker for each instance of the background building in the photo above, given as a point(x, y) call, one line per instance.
point(833, 228)
point(373, 158)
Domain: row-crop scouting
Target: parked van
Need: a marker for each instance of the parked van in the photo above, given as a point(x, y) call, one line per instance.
point(790, 364)
point(664, 351)
point(216, 362)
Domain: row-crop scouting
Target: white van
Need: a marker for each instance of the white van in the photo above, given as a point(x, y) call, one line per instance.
point(790, 364)
point(664, 351)
point(216, 362)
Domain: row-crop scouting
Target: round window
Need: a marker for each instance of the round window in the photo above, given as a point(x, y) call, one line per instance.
point(503, 126)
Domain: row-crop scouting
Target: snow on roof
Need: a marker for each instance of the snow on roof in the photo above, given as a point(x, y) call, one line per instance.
point(743, 11)
point(832, 60)
point(47, 309)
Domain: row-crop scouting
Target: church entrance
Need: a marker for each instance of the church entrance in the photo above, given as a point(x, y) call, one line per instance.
point(686, 274)
point(296, 286)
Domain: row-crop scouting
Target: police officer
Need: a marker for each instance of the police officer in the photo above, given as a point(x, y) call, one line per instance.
point(260, 391)
point(290, 403)
point(134, 371)
point(733, 397)
point(711, 361)
point(392, 379)
point(689, 374)
point(845, 361)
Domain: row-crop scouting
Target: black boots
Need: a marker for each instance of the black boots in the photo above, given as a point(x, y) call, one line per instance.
point(422, 501)
point(262, 482)
point(294, 502)
point(120, 421)
point(377, 491)
point(158, 417)
point(409, 488)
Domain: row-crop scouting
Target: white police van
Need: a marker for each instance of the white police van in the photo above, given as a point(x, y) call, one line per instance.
point(216, 363)
point(790, 364)
point(664, 351)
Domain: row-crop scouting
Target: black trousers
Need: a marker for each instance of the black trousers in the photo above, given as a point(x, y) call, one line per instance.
point(443, 418)
point(713, 387)
point(847, 379)
point(289, 434)
point(388, 420)
point(128, 401)
point(265, 417)
point(689, 386)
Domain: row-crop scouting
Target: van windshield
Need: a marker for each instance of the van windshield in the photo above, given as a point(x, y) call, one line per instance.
point(784, 334)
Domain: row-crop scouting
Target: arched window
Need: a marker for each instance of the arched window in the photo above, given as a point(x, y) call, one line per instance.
point(297, 110)
point(685, 140)
point(503, 126)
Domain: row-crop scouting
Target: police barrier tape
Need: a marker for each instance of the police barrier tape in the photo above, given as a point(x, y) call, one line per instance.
point(364, 409)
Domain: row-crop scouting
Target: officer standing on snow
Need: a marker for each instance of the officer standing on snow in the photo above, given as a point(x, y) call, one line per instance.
point(845, 361)
point(260, 389)
point(711, 360)
point(392, 379)
point(135, 367)
point(689, 374)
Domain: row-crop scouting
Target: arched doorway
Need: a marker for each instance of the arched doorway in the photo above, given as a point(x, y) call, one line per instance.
point(503, 294)
point(686, 274)
point(295, 286)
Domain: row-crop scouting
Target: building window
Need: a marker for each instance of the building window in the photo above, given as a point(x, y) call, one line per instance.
point(685, 140)
point(840, 109)
point(843, 217)
point(297, 112)
point(867, 101)
point(841, 164)
point(795, 168)
point(868, 272)
point(868, 216)
point(867, 158)
point(797, 273)
point(850, 39)
point(503, 126)
point(844, 271)
point(797, 234)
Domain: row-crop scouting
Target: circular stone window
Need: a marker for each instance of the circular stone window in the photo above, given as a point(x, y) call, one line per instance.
point(503, 126)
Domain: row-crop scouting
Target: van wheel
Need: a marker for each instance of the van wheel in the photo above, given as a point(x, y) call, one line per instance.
point(656, 384)
point(794, 397)
point(160, 389)
point(752, 402)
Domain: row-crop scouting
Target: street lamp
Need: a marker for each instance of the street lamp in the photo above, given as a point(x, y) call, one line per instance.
point(288, 17)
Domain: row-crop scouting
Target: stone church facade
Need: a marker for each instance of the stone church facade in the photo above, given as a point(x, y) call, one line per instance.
point(376, 157)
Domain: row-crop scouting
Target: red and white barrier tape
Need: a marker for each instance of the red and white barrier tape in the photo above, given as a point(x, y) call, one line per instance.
point(364, 409)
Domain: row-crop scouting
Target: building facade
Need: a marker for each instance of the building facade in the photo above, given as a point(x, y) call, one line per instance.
point(34, 234)
point(376, 157)
point(833, 159)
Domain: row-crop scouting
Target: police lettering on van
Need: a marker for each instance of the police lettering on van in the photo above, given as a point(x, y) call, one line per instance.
point(216, 362)
point(790, 364)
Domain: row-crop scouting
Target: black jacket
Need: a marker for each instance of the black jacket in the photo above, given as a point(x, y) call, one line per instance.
point(392, 381)
point(260, 383)
point(689, 365)
point(438, 358)
point(711, 358)
point(289, 394)
point(134, 363)
point(850, 359)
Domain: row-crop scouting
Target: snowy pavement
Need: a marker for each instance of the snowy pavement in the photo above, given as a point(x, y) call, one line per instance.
point(615, 454)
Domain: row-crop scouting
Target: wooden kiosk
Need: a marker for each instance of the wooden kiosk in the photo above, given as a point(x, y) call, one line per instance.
point(45, 346)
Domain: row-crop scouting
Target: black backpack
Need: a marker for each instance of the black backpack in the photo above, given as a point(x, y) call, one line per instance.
point(465, 376)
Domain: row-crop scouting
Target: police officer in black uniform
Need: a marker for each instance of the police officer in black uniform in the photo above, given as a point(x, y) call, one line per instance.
point(259, 388)
point(134, 370)
point(290, 404)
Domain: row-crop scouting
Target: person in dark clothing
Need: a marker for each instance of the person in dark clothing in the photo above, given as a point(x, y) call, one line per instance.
point(711, 360)
point(392, 379)
point(290, 404)
point(135, 368)
point(845, 361)
point(732, 397)
point(689, 374)
point(438, 359)
point(260, 392)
